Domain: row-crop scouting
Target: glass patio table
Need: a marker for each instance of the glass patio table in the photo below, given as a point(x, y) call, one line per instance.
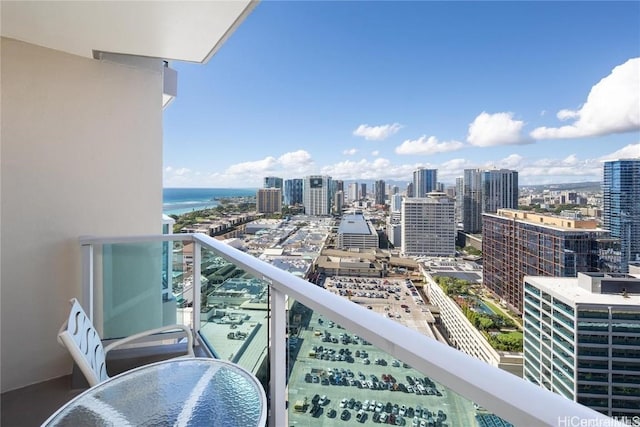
point(176, 392)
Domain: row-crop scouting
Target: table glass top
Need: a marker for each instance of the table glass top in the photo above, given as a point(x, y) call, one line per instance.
point(181, 392)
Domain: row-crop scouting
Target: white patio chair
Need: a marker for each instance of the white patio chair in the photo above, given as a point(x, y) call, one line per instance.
point(79, 336)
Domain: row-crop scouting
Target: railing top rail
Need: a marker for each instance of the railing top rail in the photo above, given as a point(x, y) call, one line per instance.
point(108, 240)
point(512, 398)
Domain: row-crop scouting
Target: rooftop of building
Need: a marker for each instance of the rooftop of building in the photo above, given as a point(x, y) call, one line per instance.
point(574, 290)
point(555, 222)
point(432, 197)
point(354, 224)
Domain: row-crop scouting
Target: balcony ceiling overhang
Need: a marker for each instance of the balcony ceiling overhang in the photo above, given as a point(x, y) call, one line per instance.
point(173, 30)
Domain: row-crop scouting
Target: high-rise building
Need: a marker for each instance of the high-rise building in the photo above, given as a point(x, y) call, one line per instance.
point(459, 205)
point(582, 339)
point(499, 190)
point(424, 181)
point(472, 201)
point(410, 191)
point(520, 243)
point(621, 213)
point(338, 202)
point(317, 195)
point(394, 227)
point(272, 182)
point(293, 191)
point(396, 203)
point(352, 192)
point(269, 200)
point(428, 226)
point(338, 185)
point(486, 191)
point(381, 196)
point(363, 190)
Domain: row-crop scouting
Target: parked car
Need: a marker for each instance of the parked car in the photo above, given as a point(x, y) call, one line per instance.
point(345, 415)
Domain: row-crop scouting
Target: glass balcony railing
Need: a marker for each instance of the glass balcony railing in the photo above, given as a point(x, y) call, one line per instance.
point(320, 356)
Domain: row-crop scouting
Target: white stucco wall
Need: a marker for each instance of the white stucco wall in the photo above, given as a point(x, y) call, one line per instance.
point(81, 153)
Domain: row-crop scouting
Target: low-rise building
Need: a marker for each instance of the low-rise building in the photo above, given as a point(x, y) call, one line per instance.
point(357, 233)
point(462, 335)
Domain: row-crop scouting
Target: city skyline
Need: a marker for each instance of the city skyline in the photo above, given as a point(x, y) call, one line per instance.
point(375, 90)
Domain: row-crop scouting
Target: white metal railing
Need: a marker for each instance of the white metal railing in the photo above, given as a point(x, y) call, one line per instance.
point(511, 398)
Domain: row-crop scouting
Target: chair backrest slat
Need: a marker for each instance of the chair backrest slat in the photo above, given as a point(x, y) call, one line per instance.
point(84, 344)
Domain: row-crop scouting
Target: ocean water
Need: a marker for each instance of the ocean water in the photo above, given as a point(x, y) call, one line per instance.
point(182, 200)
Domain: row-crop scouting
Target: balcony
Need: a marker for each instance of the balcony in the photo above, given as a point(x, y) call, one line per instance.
point(269, 321)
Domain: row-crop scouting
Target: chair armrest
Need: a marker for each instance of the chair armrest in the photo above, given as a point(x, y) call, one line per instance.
point(143, 334)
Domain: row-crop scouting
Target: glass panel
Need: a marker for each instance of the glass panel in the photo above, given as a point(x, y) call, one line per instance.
point(337, 377)
point(594, 402)
point(593, 376)
point(531, 289)
point(626, 353)
point(628, 315)
point(593, 314)
point(626, 378)
point(593, 326)
point(593, 364)
point(593, 339)
point(625, 340)
point(564, 319)
point(617, 365)
point(593, 389)
point(593, 351)
point(631, 327)
point(234, 313)
point(562, 306)
point(626, 391)
point(142, 287)
point(626, 404)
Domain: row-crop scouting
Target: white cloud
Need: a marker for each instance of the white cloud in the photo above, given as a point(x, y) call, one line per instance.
point(379, 168)
point(570, 160)
point(377, 133)
point(567, 114)
point(452, 169)
point(512, 161)
point(631, 151)
point(243, 175)
point(258, 166)
point(299, 160)
point(375, 153)
point(569, 169)
point(430, 145)
point(612, 106)
point(350, 152)
point(488, 130)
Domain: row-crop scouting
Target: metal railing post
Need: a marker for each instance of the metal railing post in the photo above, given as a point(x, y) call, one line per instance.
point(197, 263)
point(87, 279)
point(278, 359)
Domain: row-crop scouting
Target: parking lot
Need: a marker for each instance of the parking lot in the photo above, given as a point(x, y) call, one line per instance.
point(338, 379)
point(395, 298)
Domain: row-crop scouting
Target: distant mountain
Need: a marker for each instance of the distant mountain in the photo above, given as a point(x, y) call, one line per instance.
point(589, 186)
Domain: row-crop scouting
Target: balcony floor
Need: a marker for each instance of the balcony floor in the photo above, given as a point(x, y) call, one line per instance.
point(32, 405)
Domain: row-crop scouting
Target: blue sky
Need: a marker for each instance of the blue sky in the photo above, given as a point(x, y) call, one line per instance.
point(373, 90)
